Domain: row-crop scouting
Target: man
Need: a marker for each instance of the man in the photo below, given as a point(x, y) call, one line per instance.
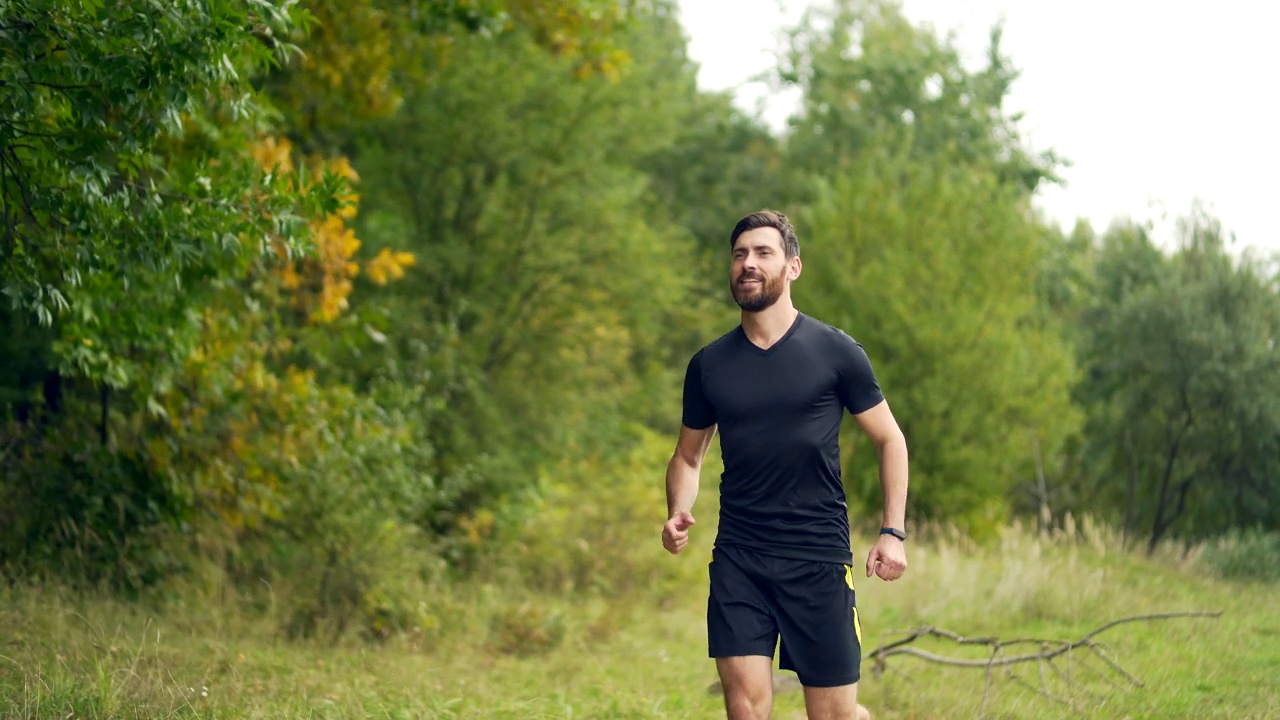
point(776, 388)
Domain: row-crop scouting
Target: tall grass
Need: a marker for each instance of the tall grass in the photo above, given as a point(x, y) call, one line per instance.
point(503, 646)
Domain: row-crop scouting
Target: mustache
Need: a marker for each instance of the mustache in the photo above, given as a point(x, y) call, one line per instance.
point(750, 276)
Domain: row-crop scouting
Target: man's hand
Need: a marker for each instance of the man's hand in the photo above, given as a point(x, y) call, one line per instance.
point(888, 559)
point(675, 534)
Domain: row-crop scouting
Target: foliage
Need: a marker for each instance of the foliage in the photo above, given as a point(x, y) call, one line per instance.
point(361, 57)
point(587, 528)
point(515, 183)
point(933, 268)
point(126, 180)
point(866, 73)
point(1183, 367)
point(1243, 554)
point(364, 314)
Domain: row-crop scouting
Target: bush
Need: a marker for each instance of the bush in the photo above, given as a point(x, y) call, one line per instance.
point(1244, 555)
point(87, 513)
point(594, 525)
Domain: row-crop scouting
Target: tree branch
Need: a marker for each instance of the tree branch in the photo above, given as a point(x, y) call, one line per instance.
point(1052, 649)
point(1044, 659)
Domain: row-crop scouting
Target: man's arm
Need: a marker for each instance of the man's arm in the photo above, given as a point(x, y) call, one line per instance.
point(683, 472)
point(880, 426)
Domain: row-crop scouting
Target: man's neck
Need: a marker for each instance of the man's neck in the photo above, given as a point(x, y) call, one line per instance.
point(767, 327)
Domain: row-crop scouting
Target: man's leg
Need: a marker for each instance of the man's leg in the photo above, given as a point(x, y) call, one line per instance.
point(834, 703)
point(821, 636)
point(741, 636)
point(748, 686)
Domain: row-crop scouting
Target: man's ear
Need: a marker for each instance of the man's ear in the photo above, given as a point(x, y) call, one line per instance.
point(794, 267)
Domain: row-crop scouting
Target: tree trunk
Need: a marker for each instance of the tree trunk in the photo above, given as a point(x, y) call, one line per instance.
point(102, 424)
point(1131, 492)
point(1160, 524)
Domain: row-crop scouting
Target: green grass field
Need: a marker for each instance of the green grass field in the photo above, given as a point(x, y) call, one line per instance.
point(502, 652)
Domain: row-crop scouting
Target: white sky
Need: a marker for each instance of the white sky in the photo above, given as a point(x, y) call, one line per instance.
point(1155, 104)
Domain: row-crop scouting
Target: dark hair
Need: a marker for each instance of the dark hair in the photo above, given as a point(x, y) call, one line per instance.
point(773, 219)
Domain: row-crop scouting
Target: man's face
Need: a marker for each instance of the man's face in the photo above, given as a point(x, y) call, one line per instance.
point(760, 272)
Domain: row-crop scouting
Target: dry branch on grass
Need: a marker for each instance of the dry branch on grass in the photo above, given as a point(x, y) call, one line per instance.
point(1049, 651)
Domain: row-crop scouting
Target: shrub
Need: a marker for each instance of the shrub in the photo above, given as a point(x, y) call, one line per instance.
point(1244, 554)
point(594, 525)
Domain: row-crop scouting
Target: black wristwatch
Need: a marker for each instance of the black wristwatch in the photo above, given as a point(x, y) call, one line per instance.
point(900, 534)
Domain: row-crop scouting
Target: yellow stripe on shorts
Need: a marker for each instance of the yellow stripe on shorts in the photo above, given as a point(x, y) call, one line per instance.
point(857, 624)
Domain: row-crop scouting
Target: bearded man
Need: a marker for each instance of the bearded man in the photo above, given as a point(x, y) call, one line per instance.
point(776, 388)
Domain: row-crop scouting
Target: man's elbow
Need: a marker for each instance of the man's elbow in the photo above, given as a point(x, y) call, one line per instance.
point(683, 462)
point(891, 441)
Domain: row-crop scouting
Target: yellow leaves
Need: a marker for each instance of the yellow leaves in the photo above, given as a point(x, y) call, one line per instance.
point(289, 277)
point(321, 283)
point(341, 167)
point(335, 245)
point(477, 527)
point(610, 64)
point(388, 266)
point(272, 151)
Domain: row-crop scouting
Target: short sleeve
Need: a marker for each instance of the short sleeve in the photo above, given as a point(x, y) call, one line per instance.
point(855, 379)
point(698, 411)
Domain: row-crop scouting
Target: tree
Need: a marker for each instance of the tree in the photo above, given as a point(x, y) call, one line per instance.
point(545, 278)
point(127, 185)
point(1184, 375)
point(934, 268)
point(866, 73)
point(914, 189)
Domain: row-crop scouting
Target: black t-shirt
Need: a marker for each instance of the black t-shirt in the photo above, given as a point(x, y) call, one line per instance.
point(779, 413)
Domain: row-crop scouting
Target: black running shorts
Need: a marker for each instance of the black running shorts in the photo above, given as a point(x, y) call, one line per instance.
point(757, 599)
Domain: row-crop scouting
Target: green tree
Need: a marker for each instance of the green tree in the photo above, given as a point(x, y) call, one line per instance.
point(127, 185)
point(547, 275)
point(1183, 379)
point(934, 267)
point(914, 188)
point(866, 71)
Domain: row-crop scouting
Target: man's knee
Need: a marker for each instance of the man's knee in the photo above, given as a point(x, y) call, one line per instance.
point(834, 703)
point(748, 703)
point(858, 712)
point(748, 687)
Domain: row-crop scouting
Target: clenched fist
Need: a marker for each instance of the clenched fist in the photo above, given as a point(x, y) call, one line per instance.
point(888, 559)
point(675, 534)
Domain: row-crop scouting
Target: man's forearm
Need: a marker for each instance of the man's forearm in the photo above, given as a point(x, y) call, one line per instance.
point(682, 486)
point(893, 481)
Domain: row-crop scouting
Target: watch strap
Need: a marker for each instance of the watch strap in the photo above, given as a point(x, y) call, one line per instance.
point(900, 534)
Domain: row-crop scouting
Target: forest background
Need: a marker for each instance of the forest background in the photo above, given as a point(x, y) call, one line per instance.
point(329, 314)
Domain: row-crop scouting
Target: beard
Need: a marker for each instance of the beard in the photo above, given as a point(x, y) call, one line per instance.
point(757, 296)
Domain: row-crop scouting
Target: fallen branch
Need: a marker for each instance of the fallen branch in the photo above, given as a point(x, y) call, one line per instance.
point(1049, 650)
point(1054, 648)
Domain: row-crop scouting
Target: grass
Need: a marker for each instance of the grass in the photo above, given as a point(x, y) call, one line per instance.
point(498, 651)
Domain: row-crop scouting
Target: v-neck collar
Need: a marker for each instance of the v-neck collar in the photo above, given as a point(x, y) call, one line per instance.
point(781, 341)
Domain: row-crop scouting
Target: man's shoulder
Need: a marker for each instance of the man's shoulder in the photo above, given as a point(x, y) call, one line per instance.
point(719, 346)
point(824, 332)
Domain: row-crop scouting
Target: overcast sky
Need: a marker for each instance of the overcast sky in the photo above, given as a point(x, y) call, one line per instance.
point(1155, 104)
